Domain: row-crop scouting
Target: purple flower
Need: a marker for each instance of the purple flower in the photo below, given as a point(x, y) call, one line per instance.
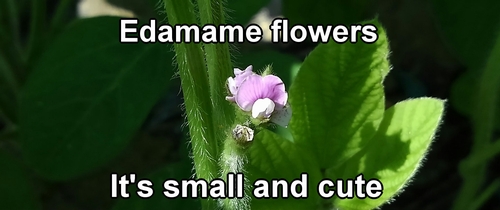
point(235, 83)
point(262, 95)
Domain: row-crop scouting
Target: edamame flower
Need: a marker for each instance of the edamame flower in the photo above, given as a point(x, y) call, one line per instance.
point(235, 83)
point(262, 95)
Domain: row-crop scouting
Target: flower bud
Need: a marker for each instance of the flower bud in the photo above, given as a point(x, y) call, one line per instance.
point(243, 134)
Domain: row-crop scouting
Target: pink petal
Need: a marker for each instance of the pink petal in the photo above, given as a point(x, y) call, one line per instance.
point(242, 76)
point(232, 85)
point(257, 87)
point(275, 90)
point(238, 71)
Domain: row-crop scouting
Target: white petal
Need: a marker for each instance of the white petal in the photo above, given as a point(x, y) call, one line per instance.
point(262, 108)
point(237, 71)
point(282, 117)
point(232, 85)
point(230, 98)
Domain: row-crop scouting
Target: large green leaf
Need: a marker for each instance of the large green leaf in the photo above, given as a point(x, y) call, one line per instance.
point(326, 11)
point(87, 96)
point(395, 152)
point(465, 22)
point(16, 188)
point(338, 98)
point(272, 157)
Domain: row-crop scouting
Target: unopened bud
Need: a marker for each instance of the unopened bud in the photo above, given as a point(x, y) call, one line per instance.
point(243, 134)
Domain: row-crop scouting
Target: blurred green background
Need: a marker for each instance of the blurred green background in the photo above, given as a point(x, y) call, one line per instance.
point(76, 105)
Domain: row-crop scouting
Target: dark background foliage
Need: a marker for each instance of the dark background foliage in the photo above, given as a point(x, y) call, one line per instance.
point(47, 161)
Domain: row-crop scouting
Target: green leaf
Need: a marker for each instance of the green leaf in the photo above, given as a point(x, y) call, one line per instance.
point(87, 96)
point(174, 171)
point(326, 11)
point(272, 157)
point(16, 188)
point(395, 152)
point(463, 23)
point(338, 98)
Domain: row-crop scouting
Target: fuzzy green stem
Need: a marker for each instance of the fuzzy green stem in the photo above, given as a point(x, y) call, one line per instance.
point(233, 160)
point(194, 82)
point(219, 66)
point(474, 174)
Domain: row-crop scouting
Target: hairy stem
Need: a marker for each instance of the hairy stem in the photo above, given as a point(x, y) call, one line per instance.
point(219, 66)
point(194, 82)
point(233, 160)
